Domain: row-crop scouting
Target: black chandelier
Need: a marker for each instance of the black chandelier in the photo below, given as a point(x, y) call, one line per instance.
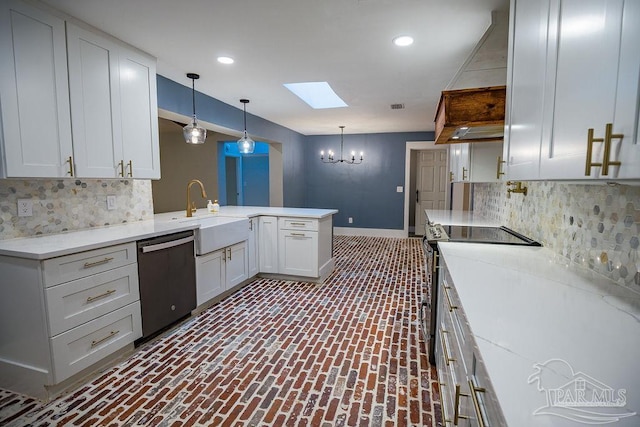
point(330, 154)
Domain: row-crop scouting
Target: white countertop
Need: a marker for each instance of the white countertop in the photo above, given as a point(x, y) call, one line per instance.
point(449, 217)
point(54, 245)
point(526, 306)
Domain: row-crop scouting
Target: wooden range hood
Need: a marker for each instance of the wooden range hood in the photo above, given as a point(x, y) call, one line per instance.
point(471, 115)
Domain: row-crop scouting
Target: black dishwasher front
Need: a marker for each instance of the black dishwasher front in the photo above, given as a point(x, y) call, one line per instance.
point(167, 280)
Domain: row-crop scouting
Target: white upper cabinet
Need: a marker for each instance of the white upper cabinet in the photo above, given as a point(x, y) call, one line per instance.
point(114, 107)
point(96, 119)
point(459, 162)
point(574, 66)
point(35, 138)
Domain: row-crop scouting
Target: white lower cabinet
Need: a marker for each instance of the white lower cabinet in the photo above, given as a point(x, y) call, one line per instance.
point(65, 314)
point(221, 270)
point(298, 252)
point(466, 392)
point(268, 244)
point(253, 247)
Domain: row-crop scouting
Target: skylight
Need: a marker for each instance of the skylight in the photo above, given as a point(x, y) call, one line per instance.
point(318, 95)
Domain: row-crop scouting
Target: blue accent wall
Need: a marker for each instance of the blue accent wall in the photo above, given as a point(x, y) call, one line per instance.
point(365, 192)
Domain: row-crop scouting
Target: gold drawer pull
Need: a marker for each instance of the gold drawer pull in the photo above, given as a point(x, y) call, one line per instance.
point(130, 173)
point(447, 359)
point(106, 294)
point(298, 234)
point(446, 294)
point(442, 405)
point(301, 224)
point(476, 404)
point(101, 340)
point(96, 263)
point(456, 409)
point(229, 254)
point(450, 176)
point(121, 166)
point(608, 136)
point(499, 173)
point(435, 262)
point(464, 171)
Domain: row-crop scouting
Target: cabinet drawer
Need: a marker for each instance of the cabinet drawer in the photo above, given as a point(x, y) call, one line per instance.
point(83, 264)
point(298, 224)
point(87, 344)
point(74, 303)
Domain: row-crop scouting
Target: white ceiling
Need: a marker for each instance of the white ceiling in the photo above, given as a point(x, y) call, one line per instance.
point(344, 42)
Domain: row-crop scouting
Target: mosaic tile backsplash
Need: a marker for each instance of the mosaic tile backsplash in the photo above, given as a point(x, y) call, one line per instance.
point(71, 204)
point(596, 226)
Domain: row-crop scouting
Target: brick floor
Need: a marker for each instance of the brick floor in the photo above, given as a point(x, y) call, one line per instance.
point(276, 353)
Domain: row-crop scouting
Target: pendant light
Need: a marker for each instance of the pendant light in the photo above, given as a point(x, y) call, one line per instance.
point(246, 145)
point(194, 133)
point(350, 161)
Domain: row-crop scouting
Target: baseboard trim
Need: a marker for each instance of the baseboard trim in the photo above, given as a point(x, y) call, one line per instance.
point(368, 232)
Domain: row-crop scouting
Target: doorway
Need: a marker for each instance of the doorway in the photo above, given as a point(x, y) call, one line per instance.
point(244, 179)
point(431, 185)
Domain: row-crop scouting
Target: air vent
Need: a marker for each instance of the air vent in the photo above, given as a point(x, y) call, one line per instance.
point(397, 106)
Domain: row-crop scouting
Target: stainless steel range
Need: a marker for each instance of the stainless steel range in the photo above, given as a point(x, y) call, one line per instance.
point(435, 233)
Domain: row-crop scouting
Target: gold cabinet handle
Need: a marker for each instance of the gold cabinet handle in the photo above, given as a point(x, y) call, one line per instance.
point(435, 262)
point(450, 176)
point(121, 166)
point(130, 173)
point(476, 403)
point(499, 172)
point(608, 136)
point(456, 406)
point(229, 249)
point(70, 161)
point(106, 294)
point(299, 224)
point(111, 335)
point(96, 263)
point(447, 359)
point(589, 162)
point(251, 225)
point(464, 171)
point(442, 405)
point(297, 234)
point(446, 294)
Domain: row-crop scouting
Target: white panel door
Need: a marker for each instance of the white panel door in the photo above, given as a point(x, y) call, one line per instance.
point(431, 184)
point(34, 93)
point(210, 275)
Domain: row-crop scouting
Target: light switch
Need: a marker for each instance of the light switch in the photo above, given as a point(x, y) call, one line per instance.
point(399, 189)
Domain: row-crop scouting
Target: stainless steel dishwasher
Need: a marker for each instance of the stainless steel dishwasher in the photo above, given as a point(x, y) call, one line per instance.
point(167, 280)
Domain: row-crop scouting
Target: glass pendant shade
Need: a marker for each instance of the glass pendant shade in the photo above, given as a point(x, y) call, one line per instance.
point(193, 133)
point(246, 145)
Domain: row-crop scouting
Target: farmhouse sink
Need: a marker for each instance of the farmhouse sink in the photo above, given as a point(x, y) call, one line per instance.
point(218, 232)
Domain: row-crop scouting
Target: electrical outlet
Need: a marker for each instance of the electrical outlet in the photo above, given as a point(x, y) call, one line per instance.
point(399, 189)
point(111, 203)
point(350, 220)
point(25, 207)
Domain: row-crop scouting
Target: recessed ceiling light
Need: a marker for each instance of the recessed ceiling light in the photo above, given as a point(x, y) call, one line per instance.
point(225, 60)
point(317, 94)
point(403, 41)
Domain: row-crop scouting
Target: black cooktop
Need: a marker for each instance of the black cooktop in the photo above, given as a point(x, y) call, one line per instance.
point(497, 235)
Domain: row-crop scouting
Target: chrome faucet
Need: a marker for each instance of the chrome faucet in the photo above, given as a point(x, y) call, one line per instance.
point(191, 206)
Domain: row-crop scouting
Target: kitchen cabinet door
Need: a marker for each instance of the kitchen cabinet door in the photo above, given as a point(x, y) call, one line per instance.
point(210, 275)
point(114, 107)
point(589, 57)
point(93, 86)
point(268, 244)
point(139, 115)
point(298, 253)
point(34, 95)
point(237, 265)
point(459, 162)
point(525, 88)
point(253, 256)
